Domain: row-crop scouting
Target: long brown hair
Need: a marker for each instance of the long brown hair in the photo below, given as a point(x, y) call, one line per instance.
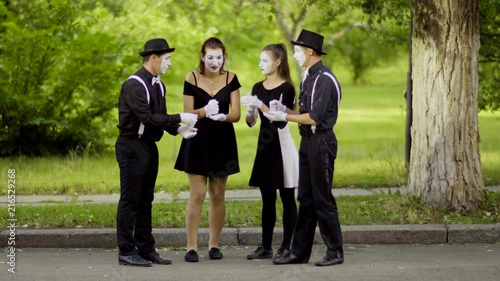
point(279, 52)
point(212, 43)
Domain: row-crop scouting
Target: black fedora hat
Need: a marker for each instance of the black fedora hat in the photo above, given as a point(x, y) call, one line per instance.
point(311, 40)
point(156, 46)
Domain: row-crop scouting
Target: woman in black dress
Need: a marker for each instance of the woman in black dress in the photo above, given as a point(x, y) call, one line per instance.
point(211, 156)
point(276, 161)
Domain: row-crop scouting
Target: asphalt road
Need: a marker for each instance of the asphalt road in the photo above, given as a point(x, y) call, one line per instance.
point(450, 262)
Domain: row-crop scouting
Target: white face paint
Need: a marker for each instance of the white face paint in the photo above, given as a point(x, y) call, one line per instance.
point(165, 63)
point(266, 63)
point(299, 55)
point(213, 60)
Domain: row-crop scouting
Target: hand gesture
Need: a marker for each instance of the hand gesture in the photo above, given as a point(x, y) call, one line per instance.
point(251, 111)
point(187, 132)
point(212, 107)
point(275, 115)
point(251, 101)
point(218, 117)
point(189, 119)
point(276, 105)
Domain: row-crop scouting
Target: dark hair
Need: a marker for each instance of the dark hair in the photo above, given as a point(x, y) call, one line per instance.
point(279, 52)
point(212, 43)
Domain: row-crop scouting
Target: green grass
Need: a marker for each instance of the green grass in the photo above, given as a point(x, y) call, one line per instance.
point(370, 132)
point(353, 210)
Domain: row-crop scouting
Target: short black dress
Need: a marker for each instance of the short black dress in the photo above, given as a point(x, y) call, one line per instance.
point(276, 161)
point(213, 151)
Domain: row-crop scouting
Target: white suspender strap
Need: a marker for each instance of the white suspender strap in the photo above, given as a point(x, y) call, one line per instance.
point(162, 90)
point(335, 82)
point(141, 126)
point(337, 87)
point(313, 127)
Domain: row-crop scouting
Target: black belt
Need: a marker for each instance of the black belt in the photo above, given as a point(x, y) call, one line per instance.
point(306, 130)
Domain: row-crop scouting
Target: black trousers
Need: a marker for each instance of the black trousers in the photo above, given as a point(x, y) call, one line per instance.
point(138, 162)
point(317, 205)
point(268, 215)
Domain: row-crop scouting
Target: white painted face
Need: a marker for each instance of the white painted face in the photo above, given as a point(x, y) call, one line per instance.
point(299, 55)
point(165, 63)
point(213, 59)
point(266, 63)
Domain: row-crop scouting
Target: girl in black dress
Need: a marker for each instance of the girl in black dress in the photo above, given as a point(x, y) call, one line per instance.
point(276, 161)
point(209, 158)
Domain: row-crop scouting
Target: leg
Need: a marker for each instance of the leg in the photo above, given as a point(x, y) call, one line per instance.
point(217, 211)
point(143, 229)
point(197, 193)
point(268, 216)
point(133, 169)
point(303, 236)
point(289, 215)
point(326, 207)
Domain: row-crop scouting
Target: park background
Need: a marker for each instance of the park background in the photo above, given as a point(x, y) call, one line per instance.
point(63, 65)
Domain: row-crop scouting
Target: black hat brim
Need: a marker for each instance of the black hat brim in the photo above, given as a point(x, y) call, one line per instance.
point(161, 51)
point(307, 46)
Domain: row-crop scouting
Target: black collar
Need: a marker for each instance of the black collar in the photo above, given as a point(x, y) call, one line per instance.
point(146, 74)
point(311, 71)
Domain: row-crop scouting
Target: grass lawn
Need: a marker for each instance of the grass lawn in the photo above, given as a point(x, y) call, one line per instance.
point(353, 210)
point(370, 132)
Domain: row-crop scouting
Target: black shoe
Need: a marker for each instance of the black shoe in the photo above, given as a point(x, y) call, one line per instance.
point(290, 259)
point(260, 253)
point(191, 256)
point(281, 253)
point(133, 260)
point(155, 258)
point(215, 254)
point(332, 260)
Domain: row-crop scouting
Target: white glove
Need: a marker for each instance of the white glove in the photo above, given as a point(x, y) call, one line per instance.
point(212, 107)
point(187, 132)
point(249, 100)
point(276, 105)
point(189, 119)
point(275, 115)
point(251, 110)
point(218, 117)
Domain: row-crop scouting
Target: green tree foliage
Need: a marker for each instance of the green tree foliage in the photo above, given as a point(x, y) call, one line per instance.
point(56, 75)
point(384, 11)
point(348, 37)
point(489, 67)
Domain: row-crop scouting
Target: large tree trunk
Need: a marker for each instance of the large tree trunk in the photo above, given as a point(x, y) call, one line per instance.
point(445, 165)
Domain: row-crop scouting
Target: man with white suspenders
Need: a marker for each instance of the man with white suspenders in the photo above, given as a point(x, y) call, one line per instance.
point(142, 114)
point(319, 99)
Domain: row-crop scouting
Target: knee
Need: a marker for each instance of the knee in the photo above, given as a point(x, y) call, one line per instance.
point(197, 198)
point(217, 197)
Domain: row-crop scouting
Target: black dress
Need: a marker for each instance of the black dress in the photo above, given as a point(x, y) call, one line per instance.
point(213, 151)
point(276, 161)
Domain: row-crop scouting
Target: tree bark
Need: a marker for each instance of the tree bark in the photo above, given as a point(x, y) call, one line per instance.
point(445, 166)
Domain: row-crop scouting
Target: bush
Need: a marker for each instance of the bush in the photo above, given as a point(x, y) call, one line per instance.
point(58, 78)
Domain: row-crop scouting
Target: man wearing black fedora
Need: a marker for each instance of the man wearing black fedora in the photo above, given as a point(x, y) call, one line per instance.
point(142, 114)
point(319, 99)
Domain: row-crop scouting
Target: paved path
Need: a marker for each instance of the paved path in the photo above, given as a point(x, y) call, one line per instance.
point(362, 262)
point(250, 194)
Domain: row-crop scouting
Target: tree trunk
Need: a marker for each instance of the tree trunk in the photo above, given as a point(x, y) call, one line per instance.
point(445, 166)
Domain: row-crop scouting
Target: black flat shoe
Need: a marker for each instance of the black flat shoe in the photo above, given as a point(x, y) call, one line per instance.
point(156, 258)
point(290, 259)
point(133, 260)
point(326, 261)
point(191, 256)
point(260, 253)
point(281, 253)
point(215, 254)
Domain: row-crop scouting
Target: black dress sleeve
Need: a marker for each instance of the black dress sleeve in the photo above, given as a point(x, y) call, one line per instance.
point(234, 84)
